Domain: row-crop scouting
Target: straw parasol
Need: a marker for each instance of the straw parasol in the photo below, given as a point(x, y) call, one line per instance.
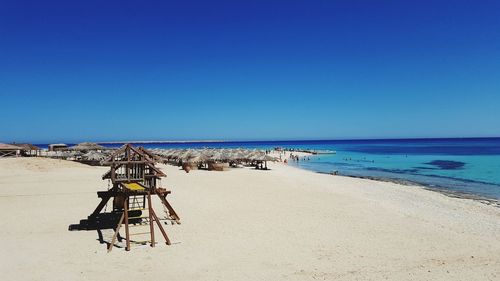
point(253, 155)
point(196, 158)
point(87, 146)
point(94, 156)
point(218, 155)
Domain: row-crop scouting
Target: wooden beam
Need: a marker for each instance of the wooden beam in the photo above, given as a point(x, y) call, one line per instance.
point(170, 209)
point(105, 195)
point(112, 244)
point(121, 162)
point(158, 223)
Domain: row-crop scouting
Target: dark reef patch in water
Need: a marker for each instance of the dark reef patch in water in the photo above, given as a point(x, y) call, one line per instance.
point(425, 168)
point(398, 171)
point(447, 164)
point(424, 147)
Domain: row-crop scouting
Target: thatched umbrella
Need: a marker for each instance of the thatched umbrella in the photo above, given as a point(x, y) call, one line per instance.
point(269, 158)
point(253, 155)
point(259, 157)
point(63, 154)
point(164, 153)
point(167, 152)
point(174, 154)
point(94, 156)
point(241, 154)
point(265, 157)
point(161, 152)
point(87, 146)
point(189, 154)
point(234, 155)
point(196, 158)
point(170, 154)
point(218, 155)
point(183, 154)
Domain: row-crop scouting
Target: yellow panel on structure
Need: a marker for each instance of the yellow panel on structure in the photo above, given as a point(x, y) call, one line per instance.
point(134, 186)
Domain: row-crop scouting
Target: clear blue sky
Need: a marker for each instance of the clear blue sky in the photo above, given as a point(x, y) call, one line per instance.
point(98, 70)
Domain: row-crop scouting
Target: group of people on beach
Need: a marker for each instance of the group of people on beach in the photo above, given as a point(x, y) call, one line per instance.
point(297, 158)
point(291, 157)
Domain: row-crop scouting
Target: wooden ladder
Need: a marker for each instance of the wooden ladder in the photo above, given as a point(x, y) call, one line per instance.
point(131, 221)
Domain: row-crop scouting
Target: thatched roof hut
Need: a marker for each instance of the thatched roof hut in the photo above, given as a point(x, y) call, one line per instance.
point(27, 146)
point(27, 149)
point(7, 150)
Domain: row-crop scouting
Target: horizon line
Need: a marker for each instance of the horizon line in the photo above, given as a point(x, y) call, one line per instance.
point(273, 140)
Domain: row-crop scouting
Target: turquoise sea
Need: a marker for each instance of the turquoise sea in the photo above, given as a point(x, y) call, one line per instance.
point(468, 166)
point(460, 166)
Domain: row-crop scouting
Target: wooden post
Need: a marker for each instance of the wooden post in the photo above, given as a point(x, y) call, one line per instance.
point(127, 234)
point(128, 165)
point(151, 226)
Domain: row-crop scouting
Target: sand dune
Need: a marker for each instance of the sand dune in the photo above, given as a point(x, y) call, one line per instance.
point(244, 224)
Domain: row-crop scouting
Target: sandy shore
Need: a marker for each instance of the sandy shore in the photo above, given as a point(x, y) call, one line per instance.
point(243, 224)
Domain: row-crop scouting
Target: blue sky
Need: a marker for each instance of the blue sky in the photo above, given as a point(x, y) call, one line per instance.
point(103, 70)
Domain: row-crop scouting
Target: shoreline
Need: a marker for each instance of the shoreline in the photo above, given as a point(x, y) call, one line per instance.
point(450, 193)
point(443, 189)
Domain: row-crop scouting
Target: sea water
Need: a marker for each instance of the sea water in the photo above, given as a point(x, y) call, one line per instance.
point(463, 166)
point(468, 166)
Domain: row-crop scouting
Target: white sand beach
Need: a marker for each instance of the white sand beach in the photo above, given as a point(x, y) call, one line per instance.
point(245, 224)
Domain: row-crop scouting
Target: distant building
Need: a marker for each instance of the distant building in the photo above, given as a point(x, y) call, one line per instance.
point(57, 146)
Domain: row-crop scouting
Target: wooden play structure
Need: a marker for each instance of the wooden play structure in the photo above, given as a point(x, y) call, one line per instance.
point(135, 180)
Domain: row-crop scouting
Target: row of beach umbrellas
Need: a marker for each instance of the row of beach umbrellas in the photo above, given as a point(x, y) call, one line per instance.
point(96, 152)
point(216, 155)
point(88, 146)
point(89, 156)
